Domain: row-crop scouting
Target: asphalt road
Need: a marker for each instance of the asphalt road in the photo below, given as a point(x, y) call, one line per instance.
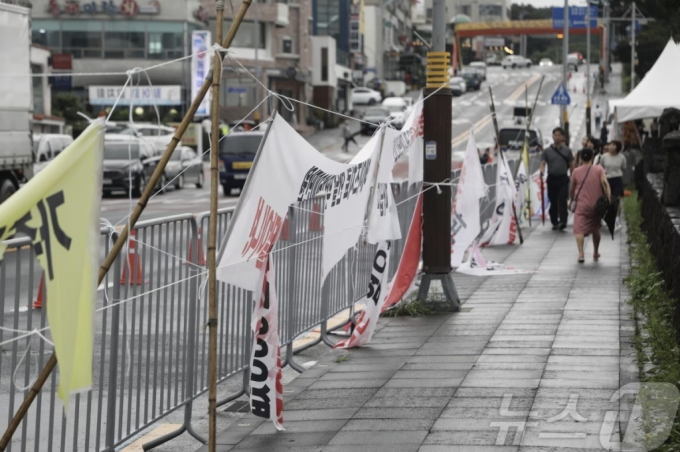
point(154, 340)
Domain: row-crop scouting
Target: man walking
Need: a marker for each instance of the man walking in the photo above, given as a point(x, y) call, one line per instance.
point(560, 161)
point(348, 136)
point(598, 117)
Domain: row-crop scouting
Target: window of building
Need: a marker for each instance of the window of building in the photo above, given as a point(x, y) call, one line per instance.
point(238, 92)
point(328, 18)
point(82, 38)
point(38, 94)
point(287, 45)
point(124, 39)
point(165, 40)
point(466, 9)
point(428, 13)
point(324, 64)
point(47, 33)
point(245, 36)
point(490, 10)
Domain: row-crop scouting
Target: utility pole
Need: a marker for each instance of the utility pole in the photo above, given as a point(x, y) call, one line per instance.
point(565, 68)
point(437, 168)
point(588, 69)
point(632, 48)
point(607, 39)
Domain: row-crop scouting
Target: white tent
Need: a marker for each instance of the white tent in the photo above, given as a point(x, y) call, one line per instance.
point(658, 90)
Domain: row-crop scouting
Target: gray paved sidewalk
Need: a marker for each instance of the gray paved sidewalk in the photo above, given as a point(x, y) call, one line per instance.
point(524, 351)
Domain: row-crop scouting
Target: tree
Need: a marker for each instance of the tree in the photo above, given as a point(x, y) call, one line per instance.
point(67, 106)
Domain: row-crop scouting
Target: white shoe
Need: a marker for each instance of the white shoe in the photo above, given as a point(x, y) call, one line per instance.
point(617, 226)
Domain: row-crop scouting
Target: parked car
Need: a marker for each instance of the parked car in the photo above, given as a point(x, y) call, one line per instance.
point(457, 85)
point(185, 166)
point(237, 152)
point(473, 80)
point(375, 116)
point(545, 62)
point(397, 107)
point(479, 67)
point(365, 96)
point(515, 61)
point(492, 60)
point(512, 139)
point(46, 147)
point(158, 136)
point(128, 165)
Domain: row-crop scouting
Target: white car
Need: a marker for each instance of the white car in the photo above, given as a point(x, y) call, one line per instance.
point(545, 62)
point(457, 85)
point(515, 61)
point(365, 96)
point(398, 109)
point(46, 147)
point(479, 67)
point(158, 136)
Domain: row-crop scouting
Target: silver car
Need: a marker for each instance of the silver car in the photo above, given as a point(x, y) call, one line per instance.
point(185, 166)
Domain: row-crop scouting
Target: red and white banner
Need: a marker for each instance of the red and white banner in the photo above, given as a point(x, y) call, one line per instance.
point(411, 140)
point(407, 271)
point(539, 200)
point(465, 215)
point(266, 395)
point(290, 170)
point(524, 205)
point(374, 300)
point(476, 265)
point(502, 228)
point(383, 218)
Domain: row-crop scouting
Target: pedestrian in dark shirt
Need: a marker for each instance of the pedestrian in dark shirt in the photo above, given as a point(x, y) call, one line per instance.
point(348, 136)
point(560, 162)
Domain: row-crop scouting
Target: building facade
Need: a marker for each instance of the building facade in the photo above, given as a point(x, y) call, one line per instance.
point(388, 35)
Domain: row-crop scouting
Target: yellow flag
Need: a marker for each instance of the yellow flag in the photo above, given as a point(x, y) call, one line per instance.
point(59, 210)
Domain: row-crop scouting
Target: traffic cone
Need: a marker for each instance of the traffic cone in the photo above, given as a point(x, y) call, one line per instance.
point(315, 217)
point(200, 259)
point(38, 302)
point(285, 229)
point(134, 263)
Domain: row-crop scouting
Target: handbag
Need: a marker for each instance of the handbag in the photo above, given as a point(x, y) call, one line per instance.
point(573, 203)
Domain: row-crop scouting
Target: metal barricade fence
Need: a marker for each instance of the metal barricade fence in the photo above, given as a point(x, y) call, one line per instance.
point(151, 349)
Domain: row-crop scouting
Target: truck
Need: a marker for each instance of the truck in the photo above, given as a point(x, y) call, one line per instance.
point(16, 100)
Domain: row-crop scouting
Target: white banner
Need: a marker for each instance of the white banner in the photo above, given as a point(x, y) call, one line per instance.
point(374, 300)
point(202, 53)
point(502, 228)
point(136, 95)
point(289, 169)
point(411, 139)
point(476, 265)
point(266, 395)
point(539, 199)
point(465, 215)
point(521, 186)
point(383, 218)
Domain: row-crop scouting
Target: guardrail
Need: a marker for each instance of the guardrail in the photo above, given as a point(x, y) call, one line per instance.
point(151, 349)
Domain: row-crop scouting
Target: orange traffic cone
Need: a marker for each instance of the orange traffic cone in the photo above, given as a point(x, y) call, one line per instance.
point(315, 217)
point(200, 258)
point(134, 264)
point(38, 302)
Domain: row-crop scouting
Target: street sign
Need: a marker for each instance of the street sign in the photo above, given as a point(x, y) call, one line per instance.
point(577, 17)
point(431, 150)
point(561, 96)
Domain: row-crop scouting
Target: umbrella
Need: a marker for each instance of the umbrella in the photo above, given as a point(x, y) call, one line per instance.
point(610, 216)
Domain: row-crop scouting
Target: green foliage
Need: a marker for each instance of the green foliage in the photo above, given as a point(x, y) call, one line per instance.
point(657, 351)
point(529, 12)
point(341, 359)
point(67, 106)
point(413, 308)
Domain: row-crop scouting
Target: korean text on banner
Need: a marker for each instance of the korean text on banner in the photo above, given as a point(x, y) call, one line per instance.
point(538, 203)
point(266, 395)
point(414, 128)
point(59, 210)
point(502, 228)
point(383, 218)
point(201, 51)
point(289, 170)
point(374, 300)
point(465, 215)
point(522, 188)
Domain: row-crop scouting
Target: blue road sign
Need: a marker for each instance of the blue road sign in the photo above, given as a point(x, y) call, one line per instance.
point(561, 96)
point(577, 17)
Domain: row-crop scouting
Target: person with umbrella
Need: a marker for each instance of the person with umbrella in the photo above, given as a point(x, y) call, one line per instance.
point(588, 184)
point(614, 163)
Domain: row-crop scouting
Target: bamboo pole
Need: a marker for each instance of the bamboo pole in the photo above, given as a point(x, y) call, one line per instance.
point(212, 237)
point(502, 160)
point(123, 236)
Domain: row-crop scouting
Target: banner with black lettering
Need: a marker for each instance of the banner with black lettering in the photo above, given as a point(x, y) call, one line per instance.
point(373, 302)
point(465, 215)
point(289, 170)
point(266, 387)
point(524, 205)
point(539, 202)
point(502, 228)
point(383, 218)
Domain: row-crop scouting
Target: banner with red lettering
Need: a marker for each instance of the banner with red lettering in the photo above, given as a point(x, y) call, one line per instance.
point(502, 228)
point(266, 388)
point(539, 203)
point(288, 170)
point(413, 134)
point(465, 215)
point(374, 300)
point(406, 275)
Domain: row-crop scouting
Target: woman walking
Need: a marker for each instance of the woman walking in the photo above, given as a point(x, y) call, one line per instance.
point(588, 184)
point(614, 163)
